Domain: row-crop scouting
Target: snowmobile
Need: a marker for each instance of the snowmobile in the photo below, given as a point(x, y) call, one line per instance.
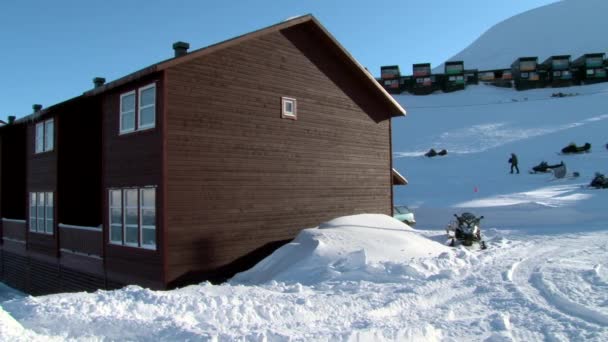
point(466, 230)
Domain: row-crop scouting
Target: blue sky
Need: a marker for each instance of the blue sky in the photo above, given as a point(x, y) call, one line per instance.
point(51, 50)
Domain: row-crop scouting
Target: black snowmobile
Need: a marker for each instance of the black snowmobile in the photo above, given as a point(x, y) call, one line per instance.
point(466, 230)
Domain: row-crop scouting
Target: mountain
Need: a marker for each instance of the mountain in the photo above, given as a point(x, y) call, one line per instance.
point(569, 27)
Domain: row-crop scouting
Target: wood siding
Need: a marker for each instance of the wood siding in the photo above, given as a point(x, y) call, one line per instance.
point(81, 241)
point(79, 164)
point(132, 160)
point(239, 177)
point(14, 230)
point(12, 173)
point(42, 177)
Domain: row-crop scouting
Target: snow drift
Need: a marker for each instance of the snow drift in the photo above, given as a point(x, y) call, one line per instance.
point(367, 247)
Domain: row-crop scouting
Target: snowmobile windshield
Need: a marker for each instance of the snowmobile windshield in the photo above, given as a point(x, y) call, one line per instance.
point(468, 219)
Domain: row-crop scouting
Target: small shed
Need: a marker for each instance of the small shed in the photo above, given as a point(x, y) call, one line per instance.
point(557, 70)
point(454, 76)
point(525, 73)
point(589, 68)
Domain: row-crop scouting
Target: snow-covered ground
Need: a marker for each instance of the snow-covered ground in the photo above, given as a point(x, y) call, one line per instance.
point(371, 278)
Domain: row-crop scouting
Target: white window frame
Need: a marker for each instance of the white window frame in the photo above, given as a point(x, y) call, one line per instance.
point(140, 107)
point(33, 213)
point(122, 218)
point(49, 228)
point(141, 218)
point(39, 221)
point(122, 113)
point(39, 137)
point(49, 139)
point(123, 207)
point(285, 113)
point(44, 138)
point(124, 215)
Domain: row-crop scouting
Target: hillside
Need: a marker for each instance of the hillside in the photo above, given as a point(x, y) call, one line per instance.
point(568, 27)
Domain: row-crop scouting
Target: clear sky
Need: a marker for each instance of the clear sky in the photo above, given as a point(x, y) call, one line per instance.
point(51, 50)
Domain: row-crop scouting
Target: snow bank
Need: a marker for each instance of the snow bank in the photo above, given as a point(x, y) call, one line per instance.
point(368, 247)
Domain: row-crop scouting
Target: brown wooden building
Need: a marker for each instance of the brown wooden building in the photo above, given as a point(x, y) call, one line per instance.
point(196, 167)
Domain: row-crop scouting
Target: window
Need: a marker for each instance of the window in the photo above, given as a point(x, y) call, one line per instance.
point(142, 102)
point(147, 104)
point(48, 209)
point(49, 135)
point(524, 75)
point(39, 137)
point(127, 112)
point(45, 136)
point(289, 109)
point(590, 71)
point(116, 216)
point(148, 218)
point(133, 217)
point(41, 212)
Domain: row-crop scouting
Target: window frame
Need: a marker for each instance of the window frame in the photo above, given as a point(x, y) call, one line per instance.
point(139, 191)
point(39, 216)
point(46, 147)
point(122, 218)
point(293, 114)
point(122, 113)
point(125, 208)
point(137, 110)
point(141, 218)
point(39, 137)
point(139, 126)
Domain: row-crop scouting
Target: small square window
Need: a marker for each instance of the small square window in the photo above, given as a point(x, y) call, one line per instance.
point(289, 108)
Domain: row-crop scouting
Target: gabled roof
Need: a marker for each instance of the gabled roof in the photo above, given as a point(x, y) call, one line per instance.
point(365, 76)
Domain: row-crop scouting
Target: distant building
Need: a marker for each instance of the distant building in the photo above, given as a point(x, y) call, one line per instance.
point(557, 69)
point(423, 82)
point(525, 73)
point(454, 76)
point(390, 78)
point(589, 68)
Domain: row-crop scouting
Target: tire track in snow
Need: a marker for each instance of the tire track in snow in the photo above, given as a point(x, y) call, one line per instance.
point(527, 278)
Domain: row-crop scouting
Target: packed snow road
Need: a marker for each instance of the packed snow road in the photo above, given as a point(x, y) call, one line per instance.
point(524, 287)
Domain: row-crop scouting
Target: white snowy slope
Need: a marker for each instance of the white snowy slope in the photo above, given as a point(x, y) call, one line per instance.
point(568, 27)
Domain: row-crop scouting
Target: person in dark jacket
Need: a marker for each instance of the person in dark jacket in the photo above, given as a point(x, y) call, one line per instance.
point(513, 161)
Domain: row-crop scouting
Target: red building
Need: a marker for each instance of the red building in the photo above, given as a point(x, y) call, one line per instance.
point(195, 167)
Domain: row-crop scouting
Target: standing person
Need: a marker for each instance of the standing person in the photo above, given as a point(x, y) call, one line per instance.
point(513, 161)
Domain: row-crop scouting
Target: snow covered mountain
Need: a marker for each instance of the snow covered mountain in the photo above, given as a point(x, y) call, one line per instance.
point(568, 27)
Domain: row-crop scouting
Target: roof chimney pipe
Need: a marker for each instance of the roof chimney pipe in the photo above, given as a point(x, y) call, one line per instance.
point(37, 107)
point(11, 119)
point(99, 81)
point(180, 48)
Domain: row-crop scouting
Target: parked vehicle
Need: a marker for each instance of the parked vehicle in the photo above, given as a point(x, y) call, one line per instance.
point(405, 215)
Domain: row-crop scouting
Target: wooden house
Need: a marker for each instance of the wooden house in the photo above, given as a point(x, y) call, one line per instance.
point(557, 69)
point(454, 76)
point(423, 82)
point(525, 73)
point(589, 68)
point(390, 78)
point(196, 167)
